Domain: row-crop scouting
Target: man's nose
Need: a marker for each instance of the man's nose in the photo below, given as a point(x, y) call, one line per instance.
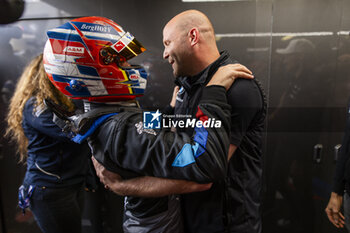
point(165, 54)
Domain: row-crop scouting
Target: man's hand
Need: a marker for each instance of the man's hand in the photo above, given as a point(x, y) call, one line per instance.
point(333, 210)
point(108, 178)
point(226, 75)
point(173, 99)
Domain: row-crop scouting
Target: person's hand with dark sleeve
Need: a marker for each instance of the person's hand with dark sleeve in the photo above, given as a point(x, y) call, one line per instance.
point(336, 200)
point(333, 210)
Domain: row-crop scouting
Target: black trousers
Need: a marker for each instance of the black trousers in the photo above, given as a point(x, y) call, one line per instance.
point(58, 210)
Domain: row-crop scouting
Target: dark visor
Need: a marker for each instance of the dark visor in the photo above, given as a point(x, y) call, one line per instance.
point(128, 47)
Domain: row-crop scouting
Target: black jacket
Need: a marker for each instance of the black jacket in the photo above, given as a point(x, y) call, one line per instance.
point(123, 146)
point(342, 172)
point(233, 202)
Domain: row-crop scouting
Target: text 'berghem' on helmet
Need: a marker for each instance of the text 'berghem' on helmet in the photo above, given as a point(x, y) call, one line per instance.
point(86, 58)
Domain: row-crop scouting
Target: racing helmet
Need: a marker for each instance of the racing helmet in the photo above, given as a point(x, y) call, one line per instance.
point(84, 59)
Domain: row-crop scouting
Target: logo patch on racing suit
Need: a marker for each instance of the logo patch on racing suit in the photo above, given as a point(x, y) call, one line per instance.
point(140, 129)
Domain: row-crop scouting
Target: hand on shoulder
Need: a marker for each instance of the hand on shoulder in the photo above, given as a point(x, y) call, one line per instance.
point(226, 75)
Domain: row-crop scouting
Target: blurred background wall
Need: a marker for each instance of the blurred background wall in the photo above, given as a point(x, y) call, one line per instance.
point(299, 50)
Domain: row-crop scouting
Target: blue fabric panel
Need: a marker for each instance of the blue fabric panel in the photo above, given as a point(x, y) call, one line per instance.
point(185, 157)
point(80, 138)
point(201, 136)
point(189, 152)
point(200, 151)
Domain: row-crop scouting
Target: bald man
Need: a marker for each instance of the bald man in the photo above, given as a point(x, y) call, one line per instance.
point(231, 204)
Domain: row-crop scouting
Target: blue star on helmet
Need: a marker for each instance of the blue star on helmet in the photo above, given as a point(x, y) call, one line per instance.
point(156, 115)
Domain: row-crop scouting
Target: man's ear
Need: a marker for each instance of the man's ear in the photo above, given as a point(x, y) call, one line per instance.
point(194, 36)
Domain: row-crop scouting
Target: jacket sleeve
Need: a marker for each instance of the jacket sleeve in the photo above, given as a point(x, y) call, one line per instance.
point(342, 166)
point(40, 119)
point(201, 158)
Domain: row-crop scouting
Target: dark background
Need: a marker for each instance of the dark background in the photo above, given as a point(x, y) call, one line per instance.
point(306, 92)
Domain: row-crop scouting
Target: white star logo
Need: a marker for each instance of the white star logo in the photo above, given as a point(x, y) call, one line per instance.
point(156, 115)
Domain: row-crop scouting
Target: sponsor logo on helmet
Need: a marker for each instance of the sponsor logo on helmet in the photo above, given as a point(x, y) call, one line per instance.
point(73, 49)
point(134, 77)
point(96, 28)
point(119, 46)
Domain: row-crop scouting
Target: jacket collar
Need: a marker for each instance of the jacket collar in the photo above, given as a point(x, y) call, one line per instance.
point(205, 75)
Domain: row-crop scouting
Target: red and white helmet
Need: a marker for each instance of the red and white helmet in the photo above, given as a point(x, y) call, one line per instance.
point(83, 58)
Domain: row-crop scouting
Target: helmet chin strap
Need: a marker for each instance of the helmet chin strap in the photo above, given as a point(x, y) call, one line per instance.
point(88, 106)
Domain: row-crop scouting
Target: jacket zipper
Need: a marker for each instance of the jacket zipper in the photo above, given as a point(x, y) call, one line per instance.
point(47, 173)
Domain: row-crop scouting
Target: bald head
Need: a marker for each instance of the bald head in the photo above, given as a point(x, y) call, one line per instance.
point(189, 19)
point(189, 43)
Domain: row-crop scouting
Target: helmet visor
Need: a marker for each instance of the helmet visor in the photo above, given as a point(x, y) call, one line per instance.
point(128, 47)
